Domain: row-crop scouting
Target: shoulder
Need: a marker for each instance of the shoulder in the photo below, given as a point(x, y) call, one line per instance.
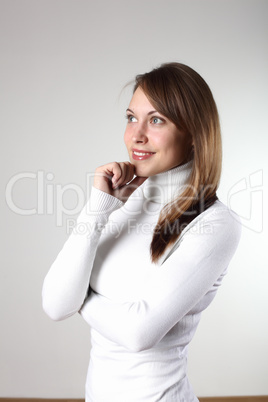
point(213, 234)
point(217, 222)
point(221, 211)
point(220, 214)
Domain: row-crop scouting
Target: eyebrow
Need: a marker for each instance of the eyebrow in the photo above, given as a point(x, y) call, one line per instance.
point(149, 113)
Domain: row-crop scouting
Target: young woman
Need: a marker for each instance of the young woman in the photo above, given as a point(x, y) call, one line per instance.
point(157, 245)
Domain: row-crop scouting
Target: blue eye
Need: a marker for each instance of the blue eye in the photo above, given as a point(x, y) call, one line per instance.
point(131, 118)
point(157, 120)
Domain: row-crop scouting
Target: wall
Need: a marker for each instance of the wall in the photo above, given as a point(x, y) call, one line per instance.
point(64, 64)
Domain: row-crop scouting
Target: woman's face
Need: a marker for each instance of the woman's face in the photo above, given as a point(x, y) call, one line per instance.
point(153, 142)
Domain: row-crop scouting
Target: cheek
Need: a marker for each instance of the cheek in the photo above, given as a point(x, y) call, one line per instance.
point(174, 147)
point(168, 143)
point(128, 134)
point(126, 138)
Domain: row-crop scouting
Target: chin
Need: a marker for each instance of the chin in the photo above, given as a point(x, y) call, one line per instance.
point(143, 171)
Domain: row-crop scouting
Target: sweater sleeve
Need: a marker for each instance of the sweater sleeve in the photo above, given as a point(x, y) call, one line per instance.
point(178, 285)
point(66, 284)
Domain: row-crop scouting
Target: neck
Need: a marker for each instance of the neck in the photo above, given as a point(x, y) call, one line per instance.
point(165, 187)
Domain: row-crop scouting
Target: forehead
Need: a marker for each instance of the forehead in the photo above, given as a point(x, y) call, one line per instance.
point(139, 101)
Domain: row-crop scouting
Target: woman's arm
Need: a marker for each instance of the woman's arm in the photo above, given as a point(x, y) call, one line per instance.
point(178, 285)
point(66, 284)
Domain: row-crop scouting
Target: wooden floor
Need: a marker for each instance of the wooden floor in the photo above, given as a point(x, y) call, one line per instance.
point(235, 399)
point(263, 398)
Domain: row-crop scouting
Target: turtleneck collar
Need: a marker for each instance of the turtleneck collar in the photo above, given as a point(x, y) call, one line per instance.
point(165, 187)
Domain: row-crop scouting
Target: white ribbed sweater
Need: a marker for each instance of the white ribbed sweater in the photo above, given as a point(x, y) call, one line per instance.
point(142, 315)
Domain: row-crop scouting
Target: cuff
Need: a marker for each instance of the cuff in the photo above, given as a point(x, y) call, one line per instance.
point(99, 207)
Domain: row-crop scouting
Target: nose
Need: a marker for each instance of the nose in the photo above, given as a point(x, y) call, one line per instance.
point(140, 135)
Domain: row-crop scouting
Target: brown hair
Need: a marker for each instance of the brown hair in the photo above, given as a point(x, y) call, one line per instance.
point(181, 94)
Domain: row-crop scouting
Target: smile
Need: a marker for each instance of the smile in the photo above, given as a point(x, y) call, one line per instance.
point(142, 153)
point(140, 156)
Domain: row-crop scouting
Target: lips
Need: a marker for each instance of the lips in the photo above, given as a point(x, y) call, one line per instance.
point(140, 155)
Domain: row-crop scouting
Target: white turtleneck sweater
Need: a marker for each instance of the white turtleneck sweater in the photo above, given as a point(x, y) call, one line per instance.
point(142, 316)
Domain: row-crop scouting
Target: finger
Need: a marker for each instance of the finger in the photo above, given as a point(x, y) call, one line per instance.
point(115, 172)
point(127, 173)
point(118, 180)
point(126, 192)
point(109, 170)
point(131, 172)
point(104, 175)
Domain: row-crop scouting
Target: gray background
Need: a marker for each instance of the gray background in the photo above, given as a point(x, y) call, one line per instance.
point(63, 66)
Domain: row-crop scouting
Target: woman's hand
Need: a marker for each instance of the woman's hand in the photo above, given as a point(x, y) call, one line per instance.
point(115, 179)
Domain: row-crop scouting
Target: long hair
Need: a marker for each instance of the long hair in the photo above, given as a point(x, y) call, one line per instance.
point(181, 94)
